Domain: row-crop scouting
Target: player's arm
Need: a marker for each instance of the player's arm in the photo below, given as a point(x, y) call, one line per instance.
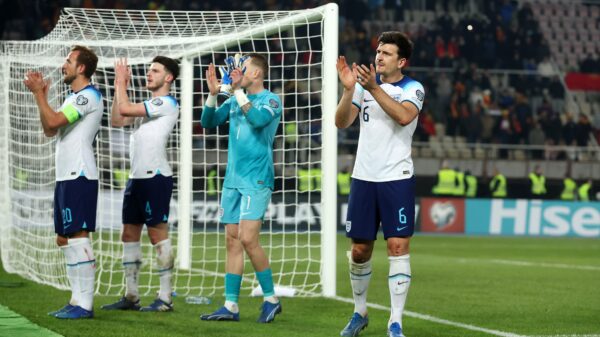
point(402, 112)
point(116, 118)
point(261, 116)
point(124, 111)
point(346, 111)
point(211, 116)
point(51, 120)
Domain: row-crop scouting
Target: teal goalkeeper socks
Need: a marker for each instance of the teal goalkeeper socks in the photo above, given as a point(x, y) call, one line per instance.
point(233, 282)
point(265, 278)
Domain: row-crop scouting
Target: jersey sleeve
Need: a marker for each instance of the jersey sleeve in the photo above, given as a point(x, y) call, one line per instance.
point(213, 117)
point(85, 102)
point(268, 110)
point(161, 106)
point(357, 97)
point(414, 93)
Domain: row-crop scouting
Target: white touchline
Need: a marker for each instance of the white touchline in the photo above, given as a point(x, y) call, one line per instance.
point(594, 335)
point(436, 319)
point(544, 264)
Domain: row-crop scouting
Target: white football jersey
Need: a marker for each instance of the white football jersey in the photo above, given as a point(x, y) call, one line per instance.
point(74, 152)
point(384, 146)
point(148, 143)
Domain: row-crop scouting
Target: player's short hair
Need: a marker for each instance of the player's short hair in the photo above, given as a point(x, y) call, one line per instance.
point(405, 45)
point(171, 65)
point(260, 61)
point(88, 58)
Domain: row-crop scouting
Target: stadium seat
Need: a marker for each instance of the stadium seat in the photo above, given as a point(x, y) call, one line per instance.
point(479, 153)
point(519, 154)
point(452, 153)
point(440, 129)
point(426, 152)
point(466, 153)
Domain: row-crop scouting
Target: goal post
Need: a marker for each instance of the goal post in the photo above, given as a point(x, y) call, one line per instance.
point(299, 230)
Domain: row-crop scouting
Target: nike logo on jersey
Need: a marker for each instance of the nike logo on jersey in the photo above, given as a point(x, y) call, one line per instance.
point(400, 228)
point(368, 100)
point(244, 213)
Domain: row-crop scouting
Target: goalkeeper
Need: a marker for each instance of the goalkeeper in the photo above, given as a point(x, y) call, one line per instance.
point(253, 119)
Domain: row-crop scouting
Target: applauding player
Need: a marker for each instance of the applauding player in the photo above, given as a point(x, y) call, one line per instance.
point(76, 193)
point(253, 119)
point(383, 183)
point(148, 192)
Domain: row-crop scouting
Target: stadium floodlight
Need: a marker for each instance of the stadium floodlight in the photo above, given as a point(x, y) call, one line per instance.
point(299, 232)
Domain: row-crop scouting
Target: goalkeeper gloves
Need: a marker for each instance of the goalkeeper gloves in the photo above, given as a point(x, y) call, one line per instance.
point(231, 63)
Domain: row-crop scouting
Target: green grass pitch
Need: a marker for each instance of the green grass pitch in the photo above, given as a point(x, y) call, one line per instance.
point(510, 286)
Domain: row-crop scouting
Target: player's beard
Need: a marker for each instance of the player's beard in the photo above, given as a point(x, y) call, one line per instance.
point(68, 79)
point(155, 85)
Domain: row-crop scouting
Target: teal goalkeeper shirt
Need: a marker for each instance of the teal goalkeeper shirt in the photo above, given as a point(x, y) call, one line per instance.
point(251, 135)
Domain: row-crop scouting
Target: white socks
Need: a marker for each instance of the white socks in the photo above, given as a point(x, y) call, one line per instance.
point(398, 281)
point(360, 275)
point(232, 306)
point(81, 270)
point(164, 261)
point(72, 273)
point(132, 260)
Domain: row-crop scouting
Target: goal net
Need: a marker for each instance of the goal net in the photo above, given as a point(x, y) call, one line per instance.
point(298, 233)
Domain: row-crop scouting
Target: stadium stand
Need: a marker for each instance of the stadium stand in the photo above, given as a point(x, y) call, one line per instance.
point(496, 73)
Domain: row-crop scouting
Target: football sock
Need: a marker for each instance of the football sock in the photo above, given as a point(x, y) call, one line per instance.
point(86, 270)
point(132, 260)
point(164, 261)
point(360, 276)
point(233, 283)
point(265, 279)
point(398, 281)
point(72, 273)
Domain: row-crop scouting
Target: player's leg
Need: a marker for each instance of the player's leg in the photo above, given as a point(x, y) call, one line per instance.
point(132, 260)
point(133, 219)
point(397, 206)
point(361, 226)
point(230, 216)
point(77, 203)
point(62, 242)
point(156, 195)
point(71, 264)
point(253, 206)
point(234, 267)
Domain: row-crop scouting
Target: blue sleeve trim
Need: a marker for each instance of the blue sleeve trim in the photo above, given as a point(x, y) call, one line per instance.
point(172, 99)
point(413, 103)
point(146, 107)
point(92, 89)
point(356, 105)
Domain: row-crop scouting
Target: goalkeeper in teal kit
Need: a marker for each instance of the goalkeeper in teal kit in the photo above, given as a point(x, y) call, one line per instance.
point(253, 119)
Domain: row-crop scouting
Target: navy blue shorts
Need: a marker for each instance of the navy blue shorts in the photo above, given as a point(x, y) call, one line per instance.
point(146, 201)
point(75, 203)
point(390, 203)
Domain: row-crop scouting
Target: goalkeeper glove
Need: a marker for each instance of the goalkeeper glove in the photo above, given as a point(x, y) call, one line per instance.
point(225, 81)
point(231, 63)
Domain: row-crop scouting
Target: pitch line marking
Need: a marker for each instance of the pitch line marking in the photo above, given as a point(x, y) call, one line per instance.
point(545, 264)
point(439, 320)
point(594, 335)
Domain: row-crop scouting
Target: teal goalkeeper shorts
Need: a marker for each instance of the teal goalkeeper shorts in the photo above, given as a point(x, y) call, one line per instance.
point(244, 204)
